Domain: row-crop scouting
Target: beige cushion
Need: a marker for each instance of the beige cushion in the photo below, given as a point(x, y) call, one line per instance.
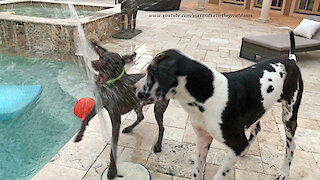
point(315, 18)
point(307, 28)
point(281, 42)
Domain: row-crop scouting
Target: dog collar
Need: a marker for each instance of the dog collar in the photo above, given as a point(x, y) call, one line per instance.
point(115, 79)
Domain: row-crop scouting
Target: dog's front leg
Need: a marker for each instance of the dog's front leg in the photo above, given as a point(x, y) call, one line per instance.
point(238, 146)
point(203, 145)
point(116, 121)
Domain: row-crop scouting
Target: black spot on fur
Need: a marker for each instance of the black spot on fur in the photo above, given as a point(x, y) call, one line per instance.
point(270, 89)
point(173, 91)
point(291, 154)
point(228, 170)
point(279, 100)
point(223, 174)
point(251, 137)
point(194, 175)
point(198, 170)
point(289, 139)
point(258, 127)
point(201, 109)
point(288, 146)
point(190, 104)
point(289, 163)
point(269, 79)
point(281, 74)
point(209, 146)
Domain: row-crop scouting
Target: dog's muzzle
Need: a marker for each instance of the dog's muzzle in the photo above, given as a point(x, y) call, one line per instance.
point(140, 92)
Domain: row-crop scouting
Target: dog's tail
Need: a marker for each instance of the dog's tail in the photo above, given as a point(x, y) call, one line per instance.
point(292, 52)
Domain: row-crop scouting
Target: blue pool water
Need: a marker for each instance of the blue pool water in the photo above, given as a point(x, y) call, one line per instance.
point(30, 141)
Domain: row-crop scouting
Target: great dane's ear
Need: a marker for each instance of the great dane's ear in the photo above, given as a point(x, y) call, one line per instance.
point(100, 50)
point(166, 75)
point(129, 58)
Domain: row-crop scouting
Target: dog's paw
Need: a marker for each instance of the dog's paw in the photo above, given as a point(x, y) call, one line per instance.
point(126, 130)
point(112, 173)
point(157, 148)
point(78, 138)
point(282, 176)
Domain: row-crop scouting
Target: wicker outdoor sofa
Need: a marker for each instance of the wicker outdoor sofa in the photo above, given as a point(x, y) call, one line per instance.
point(277, 45)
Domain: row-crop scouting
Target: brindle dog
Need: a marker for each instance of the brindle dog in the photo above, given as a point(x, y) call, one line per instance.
point(118, 97)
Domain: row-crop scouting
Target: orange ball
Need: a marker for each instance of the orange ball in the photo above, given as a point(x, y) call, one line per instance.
point(83, 107)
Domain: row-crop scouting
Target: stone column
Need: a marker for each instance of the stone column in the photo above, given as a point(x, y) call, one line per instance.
point(264, 16)
point(200, 5)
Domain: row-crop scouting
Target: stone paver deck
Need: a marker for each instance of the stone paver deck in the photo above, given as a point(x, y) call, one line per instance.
point(216, 43)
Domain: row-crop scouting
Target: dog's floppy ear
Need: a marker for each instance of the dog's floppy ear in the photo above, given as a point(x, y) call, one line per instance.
point(100, 50)
point(166, 75)
point(129, 58)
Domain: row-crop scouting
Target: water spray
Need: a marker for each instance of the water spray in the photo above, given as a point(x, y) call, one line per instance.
point(84, 50)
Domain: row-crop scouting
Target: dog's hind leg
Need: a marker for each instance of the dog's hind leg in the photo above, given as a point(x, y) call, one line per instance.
point(84, 124)
point(252, 137)
point(140, 117)
point(289, 117)
point(204, 140)
point(116, 121)
point(159, 109)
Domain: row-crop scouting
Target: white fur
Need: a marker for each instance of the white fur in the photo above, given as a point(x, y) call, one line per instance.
point(277, 83)
point(210, 119)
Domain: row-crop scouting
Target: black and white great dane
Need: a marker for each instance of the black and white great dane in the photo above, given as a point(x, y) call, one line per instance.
point(224, 105)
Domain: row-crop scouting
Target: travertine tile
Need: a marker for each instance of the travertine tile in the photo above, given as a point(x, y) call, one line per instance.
point(305, 139)
point(175, 117)
point(53, 171)
point(304, 166)
point(309, 112)
point(268, 123)
point(251, 163)
point(269, 138)
point(242, 175)
point(272, 157)
point(142, 137)
point(211, 170)
point(309, 124)
point(317, 158)
point(180, 178)
point(175, 159)
point(159, 176)
point(101, 163)
point(134, 155)
point(172, 133)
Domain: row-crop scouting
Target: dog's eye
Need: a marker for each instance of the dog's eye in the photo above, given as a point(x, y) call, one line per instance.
point(150, 70)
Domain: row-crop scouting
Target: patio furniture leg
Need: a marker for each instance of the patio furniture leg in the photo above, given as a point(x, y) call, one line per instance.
point(246, 53)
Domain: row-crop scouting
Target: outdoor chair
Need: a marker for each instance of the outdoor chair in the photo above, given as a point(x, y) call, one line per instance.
point(267, 46)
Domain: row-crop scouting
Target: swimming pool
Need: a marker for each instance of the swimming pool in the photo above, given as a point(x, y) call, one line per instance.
point(29, 142)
